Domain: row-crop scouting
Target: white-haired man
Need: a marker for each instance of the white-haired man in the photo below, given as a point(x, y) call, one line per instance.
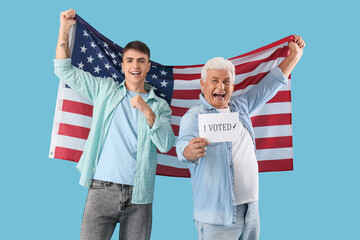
point(225, 175)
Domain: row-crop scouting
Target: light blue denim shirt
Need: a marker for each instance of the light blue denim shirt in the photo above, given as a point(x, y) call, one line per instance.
point(106, 94)
point(212, 176)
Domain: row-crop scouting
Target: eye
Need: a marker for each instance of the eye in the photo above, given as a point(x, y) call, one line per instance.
point(227, 82)
point(214, 81)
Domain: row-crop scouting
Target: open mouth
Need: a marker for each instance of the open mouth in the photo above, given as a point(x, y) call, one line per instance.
point(135, 73)
point(219, 95)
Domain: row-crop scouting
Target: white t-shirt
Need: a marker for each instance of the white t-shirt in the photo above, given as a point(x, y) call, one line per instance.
point(246, 172)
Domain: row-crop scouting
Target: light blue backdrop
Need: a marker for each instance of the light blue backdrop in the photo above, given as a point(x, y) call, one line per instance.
point(41, 198)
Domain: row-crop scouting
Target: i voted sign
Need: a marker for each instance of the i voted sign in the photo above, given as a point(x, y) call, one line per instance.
point(219, 127)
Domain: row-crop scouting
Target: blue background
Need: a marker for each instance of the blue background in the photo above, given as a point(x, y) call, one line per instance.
point(41, 198)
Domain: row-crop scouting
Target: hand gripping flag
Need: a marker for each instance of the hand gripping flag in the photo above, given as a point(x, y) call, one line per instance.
point(180, 87)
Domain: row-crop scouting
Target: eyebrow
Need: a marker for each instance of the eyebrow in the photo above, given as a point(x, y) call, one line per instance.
point(130, 58)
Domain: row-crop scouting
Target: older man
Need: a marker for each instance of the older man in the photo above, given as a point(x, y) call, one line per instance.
point(225, 175)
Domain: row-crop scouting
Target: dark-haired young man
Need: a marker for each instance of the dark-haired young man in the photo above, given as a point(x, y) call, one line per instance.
point(118, 164)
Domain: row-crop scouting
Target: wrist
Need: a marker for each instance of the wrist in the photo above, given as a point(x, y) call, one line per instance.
point(295, 55)
point(64, 30)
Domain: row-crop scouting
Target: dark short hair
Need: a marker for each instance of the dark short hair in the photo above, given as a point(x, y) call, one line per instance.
point(137, 45)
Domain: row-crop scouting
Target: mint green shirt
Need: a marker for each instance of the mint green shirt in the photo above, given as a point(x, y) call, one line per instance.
point(106, 94)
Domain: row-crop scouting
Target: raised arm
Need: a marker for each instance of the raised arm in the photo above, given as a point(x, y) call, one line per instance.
point(66, 22)
point(296, 50)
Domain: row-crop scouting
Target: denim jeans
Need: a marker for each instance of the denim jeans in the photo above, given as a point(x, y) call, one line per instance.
point(110, 203)
point(247, 226)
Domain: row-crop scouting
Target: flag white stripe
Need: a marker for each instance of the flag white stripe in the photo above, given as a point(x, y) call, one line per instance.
point(274, 154)
point(273, 131)
point(71, 142)
point(72, 95)
point(171, 161)
point(273, 108)
point(74, 119)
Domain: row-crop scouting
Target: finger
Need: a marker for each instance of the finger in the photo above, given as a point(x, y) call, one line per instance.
point(300, 41)
point(200, 144)
point(295, 38)
point(198, 140)
point(200, 155)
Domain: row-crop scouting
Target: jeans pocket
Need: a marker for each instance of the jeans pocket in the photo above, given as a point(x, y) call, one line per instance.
point(96, 184)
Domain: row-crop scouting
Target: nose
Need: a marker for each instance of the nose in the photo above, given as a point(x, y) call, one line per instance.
point(221, 85)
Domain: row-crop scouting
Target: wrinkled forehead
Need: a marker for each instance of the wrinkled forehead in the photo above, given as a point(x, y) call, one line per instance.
point(219, 73)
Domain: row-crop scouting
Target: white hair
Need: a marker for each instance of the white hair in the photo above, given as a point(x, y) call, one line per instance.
point(218, 63)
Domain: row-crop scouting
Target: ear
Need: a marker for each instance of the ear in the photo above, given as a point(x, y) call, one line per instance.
point(149, 66)
point(202, 85)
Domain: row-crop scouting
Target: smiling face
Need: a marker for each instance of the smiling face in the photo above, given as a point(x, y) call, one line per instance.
point(218, 87)
point(135, 65)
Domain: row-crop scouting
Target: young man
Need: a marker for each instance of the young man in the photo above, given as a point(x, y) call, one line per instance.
point(225, 175)
point(119, 159)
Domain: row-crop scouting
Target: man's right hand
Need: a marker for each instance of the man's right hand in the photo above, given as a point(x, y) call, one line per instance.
point(196, 149)
point(67, 19)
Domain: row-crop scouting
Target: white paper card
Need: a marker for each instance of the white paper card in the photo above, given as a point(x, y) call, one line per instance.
point(219, 127)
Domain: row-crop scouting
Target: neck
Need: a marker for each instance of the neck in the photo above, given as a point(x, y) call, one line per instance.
point(138, 88)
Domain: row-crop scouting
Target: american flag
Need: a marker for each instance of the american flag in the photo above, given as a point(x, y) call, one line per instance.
point(180, 87)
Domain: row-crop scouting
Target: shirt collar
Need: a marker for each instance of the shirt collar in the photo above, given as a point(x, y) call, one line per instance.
point(152, 94)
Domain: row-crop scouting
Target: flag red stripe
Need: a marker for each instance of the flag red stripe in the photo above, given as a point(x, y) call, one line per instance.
point(77, 107)
point(172, 171)
point(73, 131)
point(187, 94)
point(281, 96)
point(253, 80)
point(274, 44)
point(175, 129)
point(178, 111)
point(271, 120)
point(276, 165)
point(67, 154)
point(273, 142)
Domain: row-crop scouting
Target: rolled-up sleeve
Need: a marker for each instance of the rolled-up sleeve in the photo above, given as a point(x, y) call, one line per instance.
point(161, 133)
point(79, 80)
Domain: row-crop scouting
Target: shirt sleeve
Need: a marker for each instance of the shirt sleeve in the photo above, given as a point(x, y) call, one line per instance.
point(188, 130)
point(161, 132)
point(264, 90)
point(79, 80)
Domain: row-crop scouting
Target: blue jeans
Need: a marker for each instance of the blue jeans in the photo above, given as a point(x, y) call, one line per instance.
point(247, 226)
point(110, 203)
